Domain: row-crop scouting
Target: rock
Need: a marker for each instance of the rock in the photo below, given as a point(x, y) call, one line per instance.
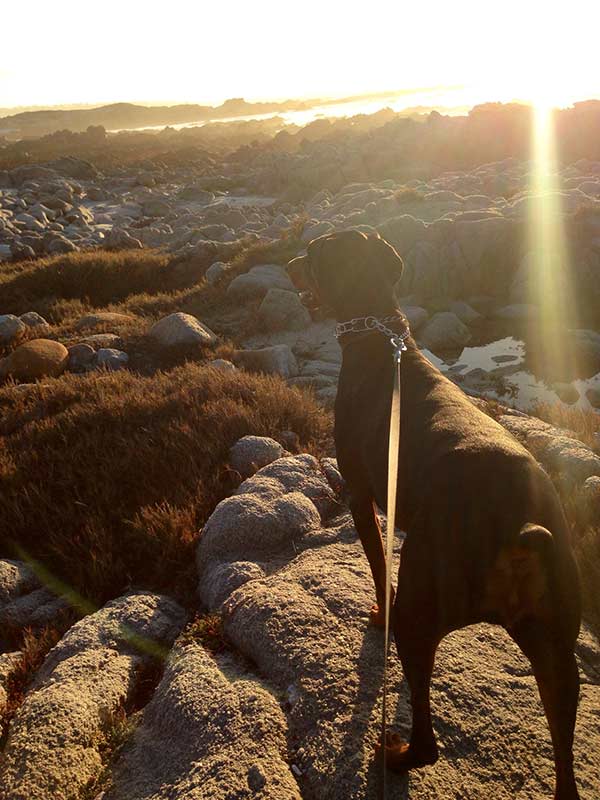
point(197, 194)
point(566, 392)
point(517, 312)
point(59, 245)
point(210, 730)
point(587, 343)
point(465, 313)
point(222, 365)
point(120, 239)
point(31, 172)
point(591, 495)
point(256, 283)
point(156, 208)
point(250, 453)
point(181, 329)
point(9, 663)
point(11, 328)
point(415, 315)
point(304, 623)
point(313, 229)
point(110, 359)
point(275, 360)
point(101, 318)
point(215, 272)
point(283, 310)
point(444, 331)
point(52, 747)
point(33, 320)
point(75, 168)
point(332, 473)
point(38, 358)
point(82, 357)
point(16, 579)
point(32, 610)
point(268, 513)
point(593, 396)
point(97, 340)
point(556, 450)
point(21, 252)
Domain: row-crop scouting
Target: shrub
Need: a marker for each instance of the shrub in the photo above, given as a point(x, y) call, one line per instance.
point(106, 480)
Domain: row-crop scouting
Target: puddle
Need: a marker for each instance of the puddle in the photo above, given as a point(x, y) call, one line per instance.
point(501, 360)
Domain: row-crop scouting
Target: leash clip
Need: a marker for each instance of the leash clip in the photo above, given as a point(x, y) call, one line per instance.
point(399, 346)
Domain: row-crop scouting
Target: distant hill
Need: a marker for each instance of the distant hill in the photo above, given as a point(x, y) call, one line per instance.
point(28, 124)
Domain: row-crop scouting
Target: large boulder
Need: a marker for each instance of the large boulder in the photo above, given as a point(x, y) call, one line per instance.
point(38, 358)
point(275, 360)
point(211, 731)
point(444, 331)
point(283, 310)
point(181, 329)
point(53, 744)
point(255, 284)
point(296, 602)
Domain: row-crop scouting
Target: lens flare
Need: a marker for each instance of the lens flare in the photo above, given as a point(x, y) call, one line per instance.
point(547, 265)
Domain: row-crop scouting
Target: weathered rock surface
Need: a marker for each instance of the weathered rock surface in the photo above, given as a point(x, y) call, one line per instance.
point(281, 309)
point(181, 329)
point(275, 360)
point(37, 358)
point(444, 331)
point(297, 606)
point(555, 448)
point(101, 318)
point(11, 328)
point(52, 747)
point(256, 283)
point(250, 453)
point(209, 731)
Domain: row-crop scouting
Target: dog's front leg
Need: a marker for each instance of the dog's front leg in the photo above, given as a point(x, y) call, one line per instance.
point(367, 526)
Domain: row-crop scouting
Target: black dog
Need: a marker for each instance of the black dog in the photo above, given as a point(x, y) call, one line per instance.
point(487, 539)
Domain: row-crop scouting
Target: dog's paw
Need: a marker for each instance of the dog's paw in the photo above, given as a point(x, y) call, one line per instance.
point(400, 756)
point(377, 616)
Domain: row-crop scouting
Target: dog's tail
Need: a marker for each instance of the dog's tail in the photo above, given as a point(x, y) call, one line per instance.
point(547, 576)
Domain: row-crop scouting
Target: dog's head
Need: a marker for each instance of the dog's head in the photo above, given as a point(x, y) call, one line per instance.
point(351, 272)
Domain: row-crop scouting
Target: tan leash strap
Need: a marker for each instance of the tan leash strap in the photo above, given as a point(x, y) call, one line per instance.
point(393, 459)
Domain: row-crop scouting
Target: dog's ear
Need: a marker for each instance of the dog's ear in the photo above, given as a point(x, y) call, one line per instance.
point(297, 269)
point(388, 259)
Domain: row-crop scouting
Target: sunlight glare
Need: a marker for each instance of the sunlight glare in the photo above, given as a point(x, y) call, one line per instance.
point(549, 270)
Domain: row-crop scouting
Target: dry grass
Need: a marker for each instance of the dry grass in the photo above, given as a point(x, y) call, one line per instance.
point(584, 425)
point(207, 630)
point(144, 284)
point(107, 479)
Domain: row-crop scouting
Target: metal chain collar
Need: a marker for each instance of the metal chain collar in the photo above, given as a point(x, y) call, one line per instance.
point(366, 324)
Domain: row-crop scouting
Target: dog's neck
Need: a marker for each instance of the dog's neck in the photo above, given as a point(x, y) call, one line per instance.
point(384, 327)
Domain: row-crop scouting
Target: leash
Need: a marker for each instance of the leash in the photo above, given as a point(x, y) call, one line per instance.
point(397, 340)
point(399, 346)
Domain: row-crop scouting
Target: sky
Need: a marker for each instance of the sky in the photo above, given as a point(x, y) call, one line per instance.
point(197, 51)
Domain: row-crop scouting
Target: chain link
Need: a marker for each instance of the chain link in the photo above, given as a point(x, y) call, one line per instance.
point(366, 324)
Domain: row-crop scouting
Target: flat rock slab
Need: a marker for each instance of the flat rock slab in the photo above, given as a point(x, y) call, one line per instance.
point(297, 607)
point(52, 747)
point(210, 731)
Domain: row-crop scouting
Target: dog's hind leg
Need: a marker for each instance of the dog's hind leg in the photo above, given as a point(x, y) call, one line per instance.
point(557, 677)
point(417, 655)
point(367, 527)
point(417, 634)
